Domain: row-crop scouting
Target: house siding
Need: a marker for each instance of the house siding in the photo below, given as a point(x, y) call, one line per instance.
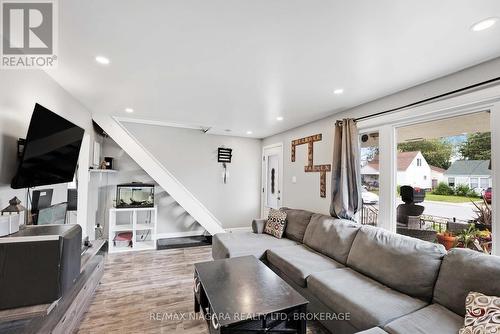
point(466, 180)
point(415, 175)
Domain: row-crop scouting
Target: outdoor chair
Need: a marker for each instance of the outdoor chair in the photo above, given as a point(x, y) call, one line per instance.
point(426, 235)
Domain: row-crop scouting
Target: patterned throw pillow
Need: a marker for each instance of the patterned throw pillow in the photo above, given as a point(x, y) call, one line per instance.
point(482, 314)
point(275, 224)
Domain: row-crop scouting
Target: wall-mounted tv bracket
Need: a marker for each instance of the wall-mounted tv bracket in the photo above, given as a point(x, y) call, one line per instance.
point(224, 156)
point(21, 143)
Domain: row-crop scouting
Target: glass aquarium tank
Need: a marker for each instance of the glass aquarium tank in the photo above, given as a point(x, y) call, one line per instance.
point(135, 195)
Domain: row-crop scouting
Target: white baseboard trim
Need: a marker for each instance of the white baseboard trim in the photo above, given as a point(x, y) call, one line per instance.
point(239, 229)
point(179, 234)
point(198, 233)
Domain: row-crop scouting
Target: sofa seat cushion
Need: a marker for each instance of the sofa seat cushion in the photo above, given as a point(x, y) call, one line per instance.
point(431, 319)
point(368, 302)
point(331, 236)
point(225, 245)
point(298, 262)
point(405, 264)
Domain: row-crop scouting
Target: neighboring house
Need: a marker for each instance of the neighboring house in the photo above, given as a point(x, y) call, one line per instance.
point(437, 175)
point(370, 173)
point(473, 173)
point(413, 170)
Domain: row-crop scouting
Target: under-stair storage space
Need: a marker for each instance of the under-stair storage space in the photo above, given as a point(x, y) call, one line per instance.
point(132, 229)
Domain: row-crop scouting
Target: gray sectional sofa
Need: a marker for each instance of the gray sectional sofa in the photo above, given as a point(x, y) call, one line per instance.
point(387, 283)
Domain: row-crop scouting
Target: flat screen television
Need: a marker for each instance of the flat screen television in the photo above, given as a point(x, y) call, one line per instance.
point(51, 151)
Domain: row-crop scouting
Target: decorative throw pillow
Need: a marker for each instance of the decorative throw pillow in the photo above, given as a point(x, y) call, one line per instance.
point(482, 314)
point(275, 224)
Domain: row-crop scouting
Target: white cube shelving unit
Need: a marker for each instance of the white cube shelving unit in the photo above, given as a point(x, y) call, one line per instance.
point(140, 221)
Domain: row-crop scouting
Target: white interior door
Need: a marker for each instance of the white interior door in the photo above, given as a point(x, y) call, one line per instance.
point(272, 178)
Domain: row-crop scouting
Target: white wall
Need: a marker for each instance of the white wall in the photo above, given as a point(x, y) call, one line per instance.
point(191, 156)
point(19, 91)
point(305, 193)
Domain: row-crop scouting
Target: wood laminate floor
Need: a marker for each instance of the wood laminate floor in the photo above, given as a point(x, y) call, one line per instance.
point(139, 288)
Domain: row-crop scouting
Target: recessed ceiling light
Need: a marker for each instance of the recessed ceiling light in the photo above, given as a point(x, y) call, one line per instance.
point(484, 24)
point(129, 110)
point(249, 132)
point(279, 118)
point(338, 91)
point(102, 60)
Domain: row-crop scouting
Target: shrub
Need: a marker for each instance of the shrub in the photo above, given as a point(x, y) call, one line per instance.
point(443, 189)
point(463, 190)
point(472, 193)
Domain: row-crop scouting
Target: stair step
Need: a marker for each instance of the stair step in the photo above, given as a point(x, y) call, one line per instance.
point(184, 242)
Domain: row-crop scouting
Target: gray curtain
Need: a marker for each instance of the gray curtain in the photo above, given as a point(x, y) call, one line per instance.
point(346, 171)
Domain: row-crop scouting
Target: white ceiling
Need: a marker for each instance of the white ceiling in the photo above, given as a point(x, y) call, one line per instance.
point(233, 64)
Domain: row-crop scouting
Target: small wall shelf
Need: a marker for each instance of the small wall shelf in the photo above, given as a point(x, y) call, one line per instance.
point(141, 222)
point(98, 170)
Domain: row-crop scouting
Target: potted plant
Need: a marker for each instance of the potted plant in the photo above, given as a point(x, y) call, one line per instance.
point(483, 213)
point(468, 236)
point(484, 242)
point(447, 239)
point(474, 238)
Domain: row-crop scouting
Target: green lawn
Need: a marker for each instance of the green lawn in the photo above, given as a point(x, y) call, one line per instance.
point(450, 198)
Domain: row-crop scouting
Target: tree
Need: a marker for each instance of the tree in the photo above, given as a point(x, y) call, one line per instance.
point(477, 146)
point(437, 152)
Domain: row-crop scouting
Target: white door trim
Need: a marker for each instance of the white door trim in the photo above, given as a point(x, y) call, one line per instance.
point(264, 175)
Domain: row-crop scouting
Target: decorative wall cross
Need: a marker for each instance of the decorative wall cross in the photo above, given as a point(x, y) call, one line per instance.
point(311, 167)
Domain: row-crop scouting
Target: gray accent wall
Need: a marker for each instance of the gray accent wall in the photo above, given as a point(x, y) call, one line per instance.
point(191, 157)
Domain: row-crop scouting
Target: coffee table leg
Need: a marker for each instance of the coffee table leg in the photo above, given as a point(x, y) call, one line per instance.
point(302, 322)
point(196, 306)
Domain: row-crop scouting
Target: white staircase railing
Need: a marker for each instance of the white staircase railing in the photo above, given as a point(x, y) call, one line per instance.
point(159, 173)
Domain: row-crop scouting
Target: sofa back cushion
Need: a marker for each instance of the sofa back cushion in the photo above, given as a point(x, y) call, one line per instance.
point(296, 223)
point(402, 263)
point(463, 271)
point(330, 236)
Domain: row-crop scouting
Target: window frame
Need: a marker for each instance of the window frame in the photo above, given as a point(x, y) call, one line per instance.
point(485, 99)
point(470, 182)
point(452, 184)
point(487, 179)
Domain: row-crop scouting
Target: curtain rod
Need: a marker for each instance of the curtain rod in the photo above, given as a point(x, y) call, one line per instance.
point(428, 99)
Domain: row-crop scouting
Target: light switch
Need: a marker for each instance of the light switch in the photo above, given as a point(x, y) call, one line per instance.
point(294, 179)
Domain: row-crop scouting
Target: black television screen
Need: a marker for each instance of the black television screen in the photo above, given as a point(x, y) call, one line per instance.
point(51, 150)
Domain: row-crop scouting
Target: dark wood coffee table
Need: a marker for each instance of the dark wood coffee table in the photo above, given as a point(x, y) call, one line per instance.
point(242, 295)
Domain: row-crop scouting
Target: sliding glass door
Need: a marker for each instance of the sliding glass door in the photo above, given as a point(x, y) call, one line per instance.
point(444, 181)
point(370, 177)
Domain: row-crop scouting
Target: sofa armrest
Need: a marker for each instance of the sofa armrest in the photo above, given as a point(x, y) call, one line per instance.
point(258, 225)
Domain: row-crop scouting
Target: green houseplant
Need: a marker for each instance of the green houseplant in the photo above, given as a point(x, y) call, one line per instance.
point(467, 236)
point(483, 213)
